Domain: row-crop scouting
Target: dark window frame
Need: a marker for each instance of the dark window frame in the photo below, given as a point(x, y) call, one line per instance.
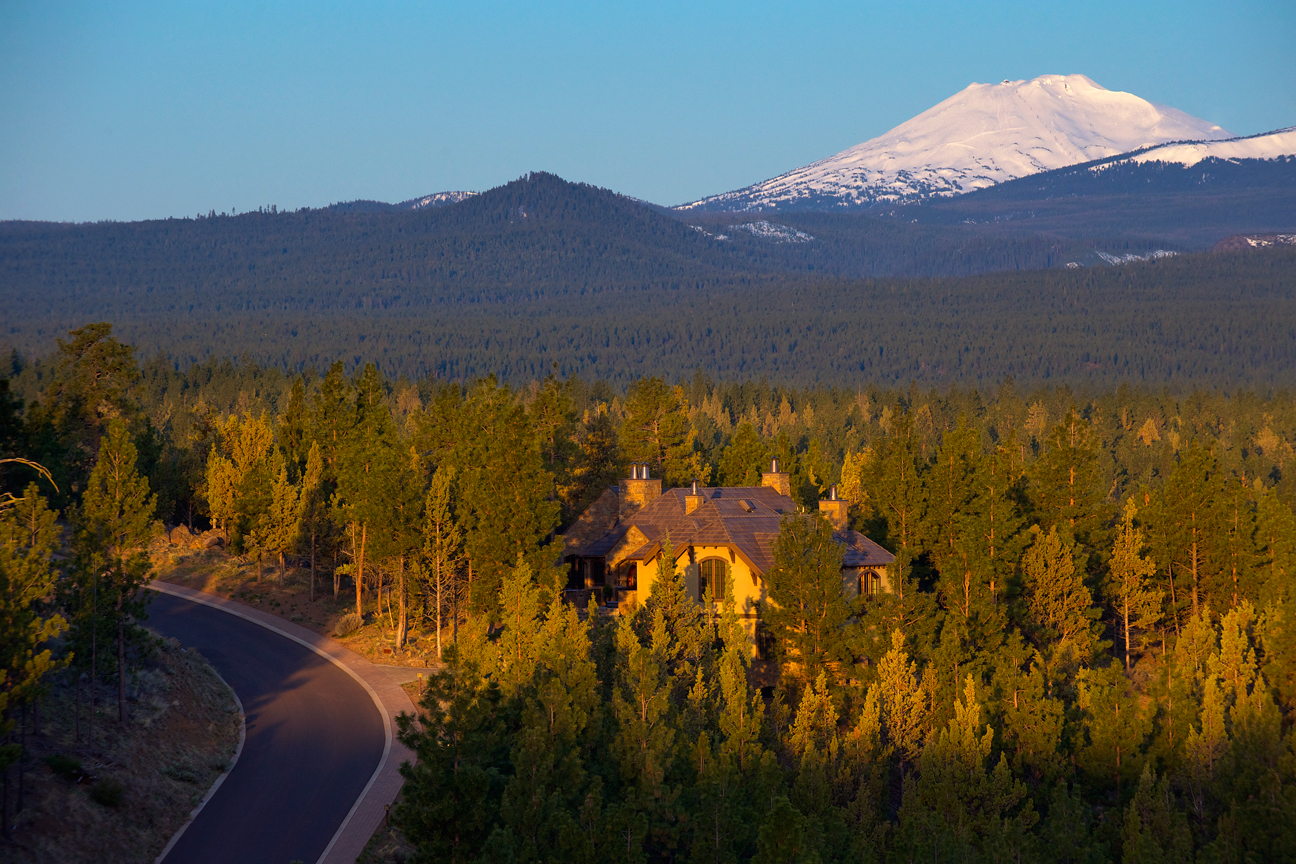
point(707, 581)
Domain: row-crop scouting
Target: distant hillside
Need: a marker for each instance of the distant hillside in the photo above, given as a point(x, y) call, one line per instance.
point(538, 236)
point(542, 271)
point(1192, 205)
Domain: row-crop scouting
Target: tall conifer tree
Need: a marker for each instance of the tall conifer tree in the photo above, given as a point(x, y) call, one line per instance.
point(112, 533)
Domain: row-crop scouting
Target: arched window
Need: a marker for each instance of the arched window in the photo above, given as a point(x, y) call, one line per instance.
point(712, 573)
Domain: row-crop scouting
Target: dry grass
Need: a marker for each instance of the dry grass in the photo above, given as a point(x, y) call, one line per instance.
point(387, 845)
point(183, 731)
point(217, 572)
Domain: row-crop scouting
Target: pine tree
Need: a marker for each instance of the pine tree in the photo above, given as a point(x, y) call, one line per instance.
point(332, 416)
point(1067, 481)
point(279, 528)
point(1136, 603)
point(808, 611)
point(743, 458)
point(741, 711)
point(687, 634)
point(1155, 831)
point(504, 506)
point(554, 419)
point(239, 477)
point(905, 701)
point(293, 429)
point(369, 466)
point(1115, 725)
point(1276, 542)
point(1060, 613)
point(551, 806)
point(112, 532)
point(91, 386)
point(657, 431)
point(1188, 530)
point(313, 505)
point(29, 535)
point(442, 545)
point(599, 464)
point(900, 499)
point(974, 803)
point(451, 798)
point(645, 743)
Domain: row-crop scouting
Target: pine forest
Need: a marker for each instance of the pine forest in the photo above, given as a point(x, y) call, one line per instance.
point(1088, 652)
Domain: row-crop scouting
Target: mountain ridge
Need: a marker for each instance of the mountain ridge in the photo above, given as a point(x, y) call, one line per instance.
point(981, 136)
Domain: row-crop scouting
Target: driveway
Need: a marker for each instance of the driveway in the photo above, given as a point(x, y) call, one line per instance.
point(317, 740)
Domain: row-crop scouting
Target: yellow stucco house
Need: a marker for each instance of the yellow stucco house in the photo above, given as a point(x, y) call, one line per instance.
point(715, 532)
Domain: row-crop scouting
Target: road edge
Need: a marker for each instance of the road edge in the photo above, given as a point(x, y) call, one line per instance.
point(370, 808)
point(238, 751)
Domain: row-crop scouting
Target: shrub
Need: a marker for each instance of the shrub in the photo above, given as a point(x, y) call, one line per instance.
point(65, 767)
point(107, 792)
point(181, 773)
point(347, 624)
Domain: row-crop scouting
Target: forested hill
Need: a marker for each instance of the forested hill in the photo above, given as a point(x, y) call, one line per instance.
point(1191, 206)
point(537, 235)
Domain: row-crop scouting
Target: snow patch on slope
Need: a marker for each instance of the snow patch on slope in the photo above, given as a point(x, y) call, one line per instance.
point(770, 231)
point(1271, 145)
point(438, 199)
point(1131, 257)
point(984, 135)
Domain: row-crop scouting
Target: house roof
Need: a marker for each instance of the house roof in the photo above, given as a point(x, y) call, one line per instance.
point(861, 551)
point(743, 518)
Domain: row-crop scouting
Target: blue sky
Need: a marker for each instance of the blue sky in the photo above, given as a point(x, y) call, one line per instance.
point(133, 110)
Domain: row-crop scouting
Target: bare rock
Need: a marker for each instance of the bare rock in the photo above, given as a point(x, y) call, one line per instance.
point(181, 536)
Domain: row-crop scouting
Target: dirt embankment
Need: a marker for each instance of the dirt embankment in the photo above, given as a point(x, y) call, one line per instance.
point(121, 796)
point(197, 563)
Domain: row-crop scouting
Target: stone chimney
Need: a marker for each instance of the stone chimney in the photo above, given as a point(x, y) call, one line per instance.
point(777, 480)
point(835, 509)
point(640, 489)
point(693, 499)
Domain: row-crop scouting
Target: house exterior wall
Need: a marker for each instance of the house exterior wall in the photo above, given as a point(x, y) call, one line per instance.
point(748, 586)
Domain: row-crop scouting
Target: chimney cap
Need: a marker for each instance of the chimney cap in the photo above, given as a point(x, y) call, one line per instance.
point(695, 486)
point(774, 466)
point(832, 492)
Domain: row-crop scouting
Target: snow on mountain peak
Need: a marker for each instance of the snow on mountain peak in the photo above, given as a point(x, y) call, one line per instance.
point(983, 135)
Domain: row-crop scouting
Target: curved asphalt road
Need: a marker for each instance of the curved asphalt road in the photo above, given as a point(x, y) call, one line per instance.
point(314, 738)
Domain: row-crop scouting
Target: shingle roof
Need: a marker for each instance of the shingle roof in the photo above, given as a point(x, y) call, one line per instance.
point(745, 518)
point(861, 551)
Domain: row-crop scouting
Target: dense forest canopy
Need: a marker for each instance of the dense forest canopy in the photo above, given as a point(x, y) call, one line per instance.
point(1087, 654)
point(1209, 320)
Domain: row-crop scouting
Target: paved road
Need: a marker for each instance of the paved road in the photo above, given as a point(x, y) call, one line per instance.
point(314, 738)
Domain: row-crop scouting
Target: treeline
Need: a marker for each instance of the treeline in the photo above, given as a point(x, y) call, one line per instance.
point(1210, 320)
point(1087, 653)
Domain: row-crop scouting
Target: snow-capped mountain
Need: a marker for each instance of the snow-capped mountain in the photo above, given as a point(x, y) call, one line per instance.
point(984, 135)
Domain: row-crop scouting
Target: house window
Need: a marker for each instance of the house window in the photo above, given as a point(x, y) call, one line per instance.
point(712, 573)
point(870, 583)
point(764, 642)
